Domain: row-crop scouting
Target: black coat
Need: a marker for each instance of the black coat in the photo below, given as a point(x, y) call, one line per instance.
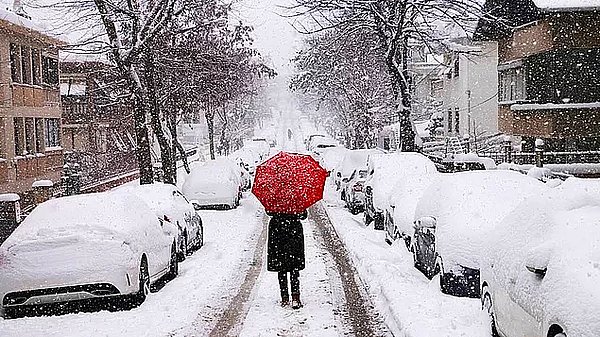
point(285, 250)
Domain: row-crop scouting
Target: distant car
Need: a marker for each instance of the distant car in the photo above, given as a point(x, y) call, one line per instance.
point(353, 193)
point(249, 157)
point(85, 248)
point(169, 204)
point(318, 144)
point(455, 216)
point(311, 137)
point(331, 157)
point(353, 160)
point(466, 162)
point(262, 144)
point(540, 273)
point(384, 171)
point(213, 185)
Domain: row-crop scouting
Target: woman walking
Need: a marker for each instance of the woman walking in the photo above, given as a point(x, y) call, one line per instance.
point(285, 254)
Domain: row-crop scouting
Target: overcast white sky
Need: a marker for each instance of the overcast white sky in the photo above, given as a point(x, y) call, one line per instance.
point(276, 39)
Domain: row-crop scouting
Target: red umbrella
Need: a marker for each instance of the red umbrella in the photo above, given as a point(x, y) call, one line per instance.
point(289, 183)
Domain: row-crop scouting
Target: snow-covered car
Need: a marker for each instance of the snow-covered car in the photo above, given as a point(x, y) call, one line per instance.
point(86, 247)
point(311, 137)
point(249, 157)
point(331, 157)
point(353, 191)
point(317, 145)
point(541, 272)
point(169, 204)
point(353, 160)
point(213, 185)
point(262, 144)
point(454, 217)
point(384, 171)
point(243, 176)
point(400, 214)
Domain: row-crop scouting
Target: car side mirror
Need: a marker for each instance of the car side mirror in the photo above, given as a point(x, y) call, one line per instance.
point(537, 260)
point(196, 205)
point(539, 271)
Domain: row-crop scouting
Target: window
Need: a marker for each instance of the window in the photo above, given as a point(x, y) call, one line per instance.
point(52, 132)
point(511, 85)
point(39, 135)
point(49, 70)
point(15, 63)
point(456, 120)
point(29, 135)
point(26, 64)
point(19, 136)
point(35, 66)
point(449, 120)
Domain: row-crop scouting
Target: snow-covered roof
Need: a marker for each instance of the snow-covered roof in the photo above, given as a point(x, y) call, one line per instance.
point(564, 5)
point(9, 197)
point(42, 183)
point(72, 89)
point(553, 106)
point(31, 25)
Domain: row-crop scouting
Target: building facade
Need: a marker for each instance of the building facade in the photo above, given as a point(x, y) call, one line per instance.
point(469, 89)
point(30, 113)
point(548, 71)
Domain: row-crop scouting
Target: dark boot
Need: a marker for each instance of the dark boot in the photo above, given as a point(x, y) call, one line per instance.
point(296, 303)
point(285, 300)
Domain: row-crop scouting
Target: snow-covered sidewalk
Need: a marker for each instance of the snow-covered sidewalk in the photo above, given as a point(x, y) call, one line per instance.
point(411, 304)
point(186, 306)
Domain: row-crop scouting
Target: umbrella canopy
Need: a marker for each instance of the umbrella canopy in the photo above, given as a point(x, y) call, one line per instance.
point(289, 183)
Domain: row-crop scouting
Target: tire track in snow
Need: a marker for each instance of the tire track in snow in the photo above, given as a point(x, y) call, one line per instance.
point(236, 311)
point(358, 310)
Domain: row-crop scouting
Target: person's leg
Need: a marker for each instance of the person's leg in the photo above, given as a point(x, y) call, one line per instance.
point(295, 283)
point(283, 288)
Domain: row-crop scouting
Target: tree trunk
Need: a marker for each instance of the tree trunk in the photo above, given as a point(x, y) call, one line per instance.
point(166, 156)
point(143, 143)
point(210, 122)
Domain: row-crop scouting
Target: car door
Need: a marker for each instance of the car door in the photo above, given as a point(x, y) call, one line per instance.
point(515, 305)
point(161, 235)
point(424, 246)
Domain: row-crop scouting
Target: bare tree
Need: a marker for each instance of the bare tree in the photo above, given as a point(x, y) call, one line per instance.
point(396, 23)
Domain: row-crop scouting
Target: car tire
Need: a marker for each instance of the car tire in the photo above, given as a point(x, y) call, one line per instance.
point(378, 221)
point(368, 219)
point(144, 283)
point(183, 250)
point(560, 334)
point(173, 262)
point(486, 301)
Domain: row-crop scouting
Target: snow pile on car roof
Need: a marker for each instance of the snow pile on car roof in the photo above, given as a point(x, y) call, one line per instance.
point(355, 159)
point(331, 157)
point(393, 167)
point(560, 231)
point(120, 213)
point(468, 205)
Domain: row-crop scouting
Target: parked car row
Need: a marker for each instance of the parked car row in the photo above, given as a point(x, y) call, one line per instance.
point(528, 250)
point(97, 247)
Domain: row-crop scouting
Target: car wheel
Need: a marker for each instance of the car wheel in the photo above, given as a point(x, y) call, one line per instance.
point(444, 284)
point(367, 218)
point(183, 250)
point(173, 262)
point(560, 335)
point(378, 221)
point(487, 306)
point(144, 283)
